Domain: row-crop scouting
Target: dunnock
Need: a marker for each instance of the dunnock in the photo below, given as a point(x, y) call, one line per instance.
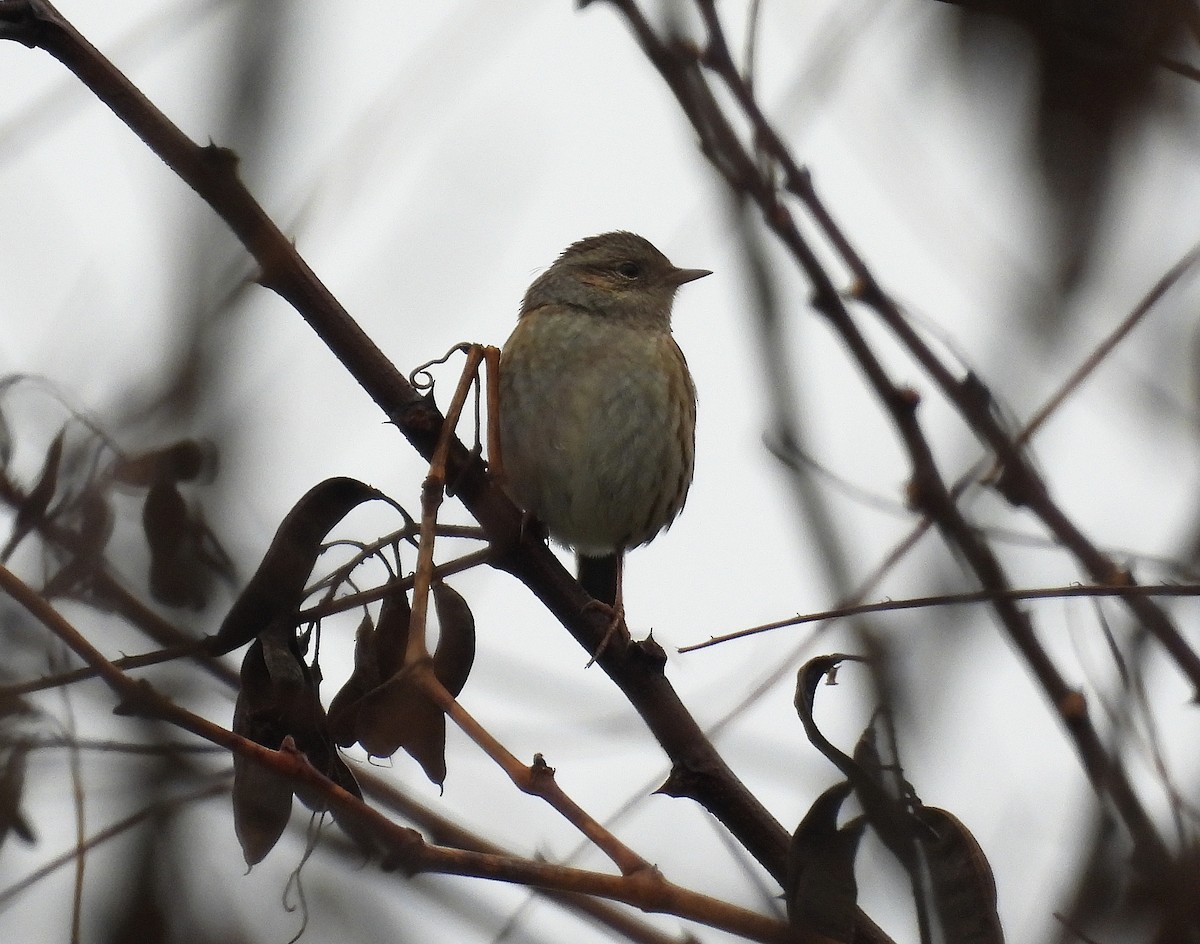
point(597, 407)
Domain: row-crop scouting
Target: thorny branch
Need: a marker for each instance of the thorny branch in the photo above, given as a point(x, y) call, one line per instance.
point(1019, 482)
point(682, 66)
point(212, 172)
point(645, 888)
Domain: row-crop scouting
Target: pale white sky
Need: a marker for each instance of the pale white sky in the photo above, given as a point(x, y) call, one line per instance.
point(429, 160)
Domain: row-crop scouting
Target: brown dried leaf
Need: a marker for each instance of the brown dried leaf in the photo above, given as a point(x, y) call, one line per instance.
point(262, 799)
point(32, 511)
point(343, 709)
point(820, 889)
point(262, 805)
point(398, 715)
point(12, 789)
point(455, 653)
point(175, 577)
point(391, 635)
point(365, 839)
point(964, 888)
point(277, 587)
point(378, 655)
point(889, 812)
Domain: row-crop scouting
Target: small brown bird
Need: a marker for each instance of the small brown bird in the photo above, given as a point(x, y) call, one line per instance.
point(597, 407)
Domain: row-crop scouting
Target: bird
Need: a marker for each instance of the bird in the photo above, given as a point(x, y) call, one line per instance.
point(597, 407)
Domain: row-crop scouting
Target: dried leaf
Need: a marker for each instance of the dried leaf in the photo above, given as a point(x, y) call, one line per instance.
point(821, 891)
point(176, 577)
point(378, 655)
point(808, 678)
point(262, 805)
point(455, 653)
point(399, 715)
point(277, 587)
point(262, 799)
point(888, 814)
point(365, 839)
point(888, 811)
point(343, 709)
point(964, 889)
point(32, 511)
point(12, 789)
point(391, 635)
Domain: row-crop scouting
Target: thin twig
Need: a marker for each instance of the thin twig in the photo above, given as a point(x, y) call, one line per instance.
point(644, 888)
point(955, 599)
point(150, 811)
point(679, 65)
point(1020, 482)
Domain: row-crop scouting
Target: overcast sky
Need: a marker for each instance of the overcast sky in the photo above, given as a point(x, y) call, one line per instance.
point(430, 160)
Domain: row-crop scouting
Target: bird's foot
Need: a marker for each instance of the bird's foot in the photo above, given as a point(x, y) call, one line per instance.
point(616, 627)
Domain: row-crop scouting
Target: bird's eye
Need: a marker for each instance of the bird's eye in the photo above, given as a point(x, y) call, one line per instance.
point(630, 270)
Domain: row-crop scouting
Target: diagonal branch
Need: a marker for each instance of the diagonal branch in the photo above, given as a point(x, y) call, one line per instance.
point(645, 888)
point(1019, 482)
point(211, 172)
point(680, 64)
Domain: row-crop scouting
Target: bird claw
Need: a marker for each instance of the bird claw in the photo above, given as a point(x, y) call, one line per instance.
point(616, 626)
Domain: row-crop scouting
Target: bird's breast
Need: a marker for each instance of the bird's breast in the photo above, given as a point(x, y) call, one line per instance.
point(597, 428)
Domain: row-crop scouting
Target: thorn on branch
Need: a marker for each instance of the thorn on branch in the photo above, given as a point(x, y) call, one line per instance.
point(799, 180)
point(221, 159)
point(539, 770)
point(650, 652)
point(680, 783)
point(420, 416)
point(779, 216)
point(1011, 483)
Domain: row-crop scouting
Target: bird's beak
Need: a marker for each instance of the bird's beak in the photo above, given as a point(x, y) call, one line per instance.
point(679, 276)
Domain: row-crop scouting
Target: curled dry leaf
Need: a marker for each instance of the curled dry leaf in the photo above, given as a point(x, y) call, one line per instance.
point(262, 799)
point(811, 674)
point(343, 709)
point(277, 588)
point(397, 714)
point(32, 511)
point(378, 655)
point(455, 653)
point(278, 700)
point(12, 790)
point(820, 888)
point(964, 888)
